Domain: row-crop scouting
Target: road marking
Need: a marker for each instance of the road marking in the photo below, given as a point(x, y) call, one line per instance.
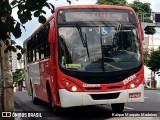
point(145, 97)
point(129, 108)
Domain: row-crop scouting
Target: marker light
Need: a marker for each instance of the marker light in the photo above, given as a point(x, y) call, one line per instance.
point(74, 88)
point(67, 83)
point(137, 80)
point(132, 85)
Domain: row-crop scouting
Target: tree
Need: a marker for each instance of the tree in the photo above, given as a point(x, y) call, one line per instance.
point(152, 60)
point(18, 74)
point(112, 2)
point(146, 57)
point(26, 10)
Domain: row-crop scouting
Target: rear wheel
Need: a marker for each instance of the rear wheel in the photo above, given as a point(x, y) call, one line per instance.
point(118, 107)
point(34, 99)
point(56, 109)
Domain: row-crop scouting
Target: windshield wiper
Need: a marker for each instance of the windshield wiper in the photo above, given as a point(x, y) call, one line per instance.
point(83, 39)
point(84, 42)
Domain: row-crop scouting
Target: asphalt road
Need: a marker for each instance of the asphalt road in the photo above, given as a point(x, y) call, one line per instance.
point(23, 103)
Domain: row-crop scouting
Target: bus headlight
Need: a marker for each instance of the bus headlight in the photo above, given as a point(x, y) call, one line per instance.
point(74, 88)
point(132, 85)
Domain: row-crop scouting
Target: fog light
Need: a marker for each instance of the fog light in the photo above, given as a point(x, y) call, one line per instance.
point(132, 85)
point(74, 88)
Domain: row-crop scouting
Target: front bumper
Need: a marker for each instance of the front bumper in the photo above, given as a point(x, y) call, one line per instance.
point(71, 99)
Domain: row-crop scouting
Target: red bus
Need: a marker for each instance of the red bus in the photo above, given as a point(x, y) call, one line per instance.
point(86, 55)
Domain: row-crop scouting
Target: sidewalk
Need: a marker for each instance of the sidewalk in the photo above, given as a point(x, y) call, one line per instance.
point(135, 118)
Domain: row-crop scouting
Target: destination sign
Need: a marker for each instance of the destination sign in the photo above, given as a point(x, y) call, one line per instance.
point(96, 15)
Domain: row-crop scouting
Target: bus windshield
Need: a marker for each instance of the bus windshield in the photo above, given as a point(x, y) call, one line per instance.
point(99, 48)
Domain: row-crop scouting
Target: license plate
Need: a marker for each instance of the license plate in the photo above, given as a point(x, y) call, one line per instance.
point(135, 95)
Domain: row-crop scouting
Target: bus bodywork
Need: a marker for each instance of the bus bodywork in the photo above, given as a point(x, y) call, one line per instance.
point(95, 58)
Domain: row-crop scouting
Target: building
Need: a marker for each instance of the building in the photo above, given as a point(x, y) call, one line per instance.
point(149, 43)
point(13, 59)
point(147, 77)
point(146, 43)
point(20, 63)
point(16, 64)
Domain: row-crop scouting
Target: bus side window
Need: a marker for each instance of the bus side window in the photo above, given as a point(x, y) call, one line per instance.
point(47, 53)
point(37, 53)
point(46, 32)
point(41, 48)
point(41, 36)
point(29, 51)
point(33, 53)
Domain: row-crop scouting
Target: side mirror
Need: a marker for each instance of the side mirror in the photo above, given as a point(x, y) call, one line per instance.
point(52, 35)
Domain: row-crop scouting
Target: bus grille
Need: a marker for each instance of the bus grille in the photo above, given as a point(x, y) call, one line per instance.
point(105, 96)
point(102, 80)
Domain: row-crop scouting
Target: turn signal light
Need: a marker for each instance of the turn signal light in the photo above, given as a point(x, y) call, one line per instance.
point(70, 86)
point(134, 84)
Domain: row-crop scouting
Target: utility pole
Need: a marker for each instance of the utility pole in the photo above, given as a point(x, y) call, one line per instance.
point(6, 83)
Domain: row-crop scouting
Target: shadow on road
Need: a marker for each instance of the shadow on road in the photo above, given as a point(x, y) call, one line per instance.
point(84, 112)
point(23, 103)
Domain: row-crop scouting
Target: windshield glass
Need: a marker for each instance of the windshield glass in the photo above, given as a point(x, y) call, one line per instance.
point(100, 48)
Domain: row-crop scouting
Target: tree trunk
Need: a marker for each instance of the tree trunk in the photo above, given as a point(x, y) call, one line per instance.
point(153, 81)
point(6, 88)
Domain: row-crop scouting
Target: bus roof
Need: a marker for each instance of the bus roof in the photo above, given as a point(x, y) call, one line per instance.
point(93, 6)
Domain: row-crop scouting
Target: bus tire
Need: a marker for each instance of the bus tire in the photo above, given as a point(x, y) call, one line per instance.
point(117, 107)
point(34, 99)
point(54, 108)
point(57, 110)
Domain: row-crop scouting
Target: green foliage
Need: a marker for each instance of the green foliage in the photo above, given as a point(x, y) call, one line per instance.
point(41, 19)
point(18, 75)
point(152, 60)
point(150, 30)
point(26, 10)
point(112, 2)
point(141, 7)
point(146, 57)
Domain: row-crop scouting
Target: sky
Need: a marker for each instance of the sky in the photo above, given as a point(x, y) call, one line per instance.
point(31, 25)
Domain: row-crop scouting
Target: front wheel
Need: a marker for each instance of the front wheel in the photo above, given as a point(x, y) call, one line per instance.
point(118, 107)
point(56, 109)
point(34, 99)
